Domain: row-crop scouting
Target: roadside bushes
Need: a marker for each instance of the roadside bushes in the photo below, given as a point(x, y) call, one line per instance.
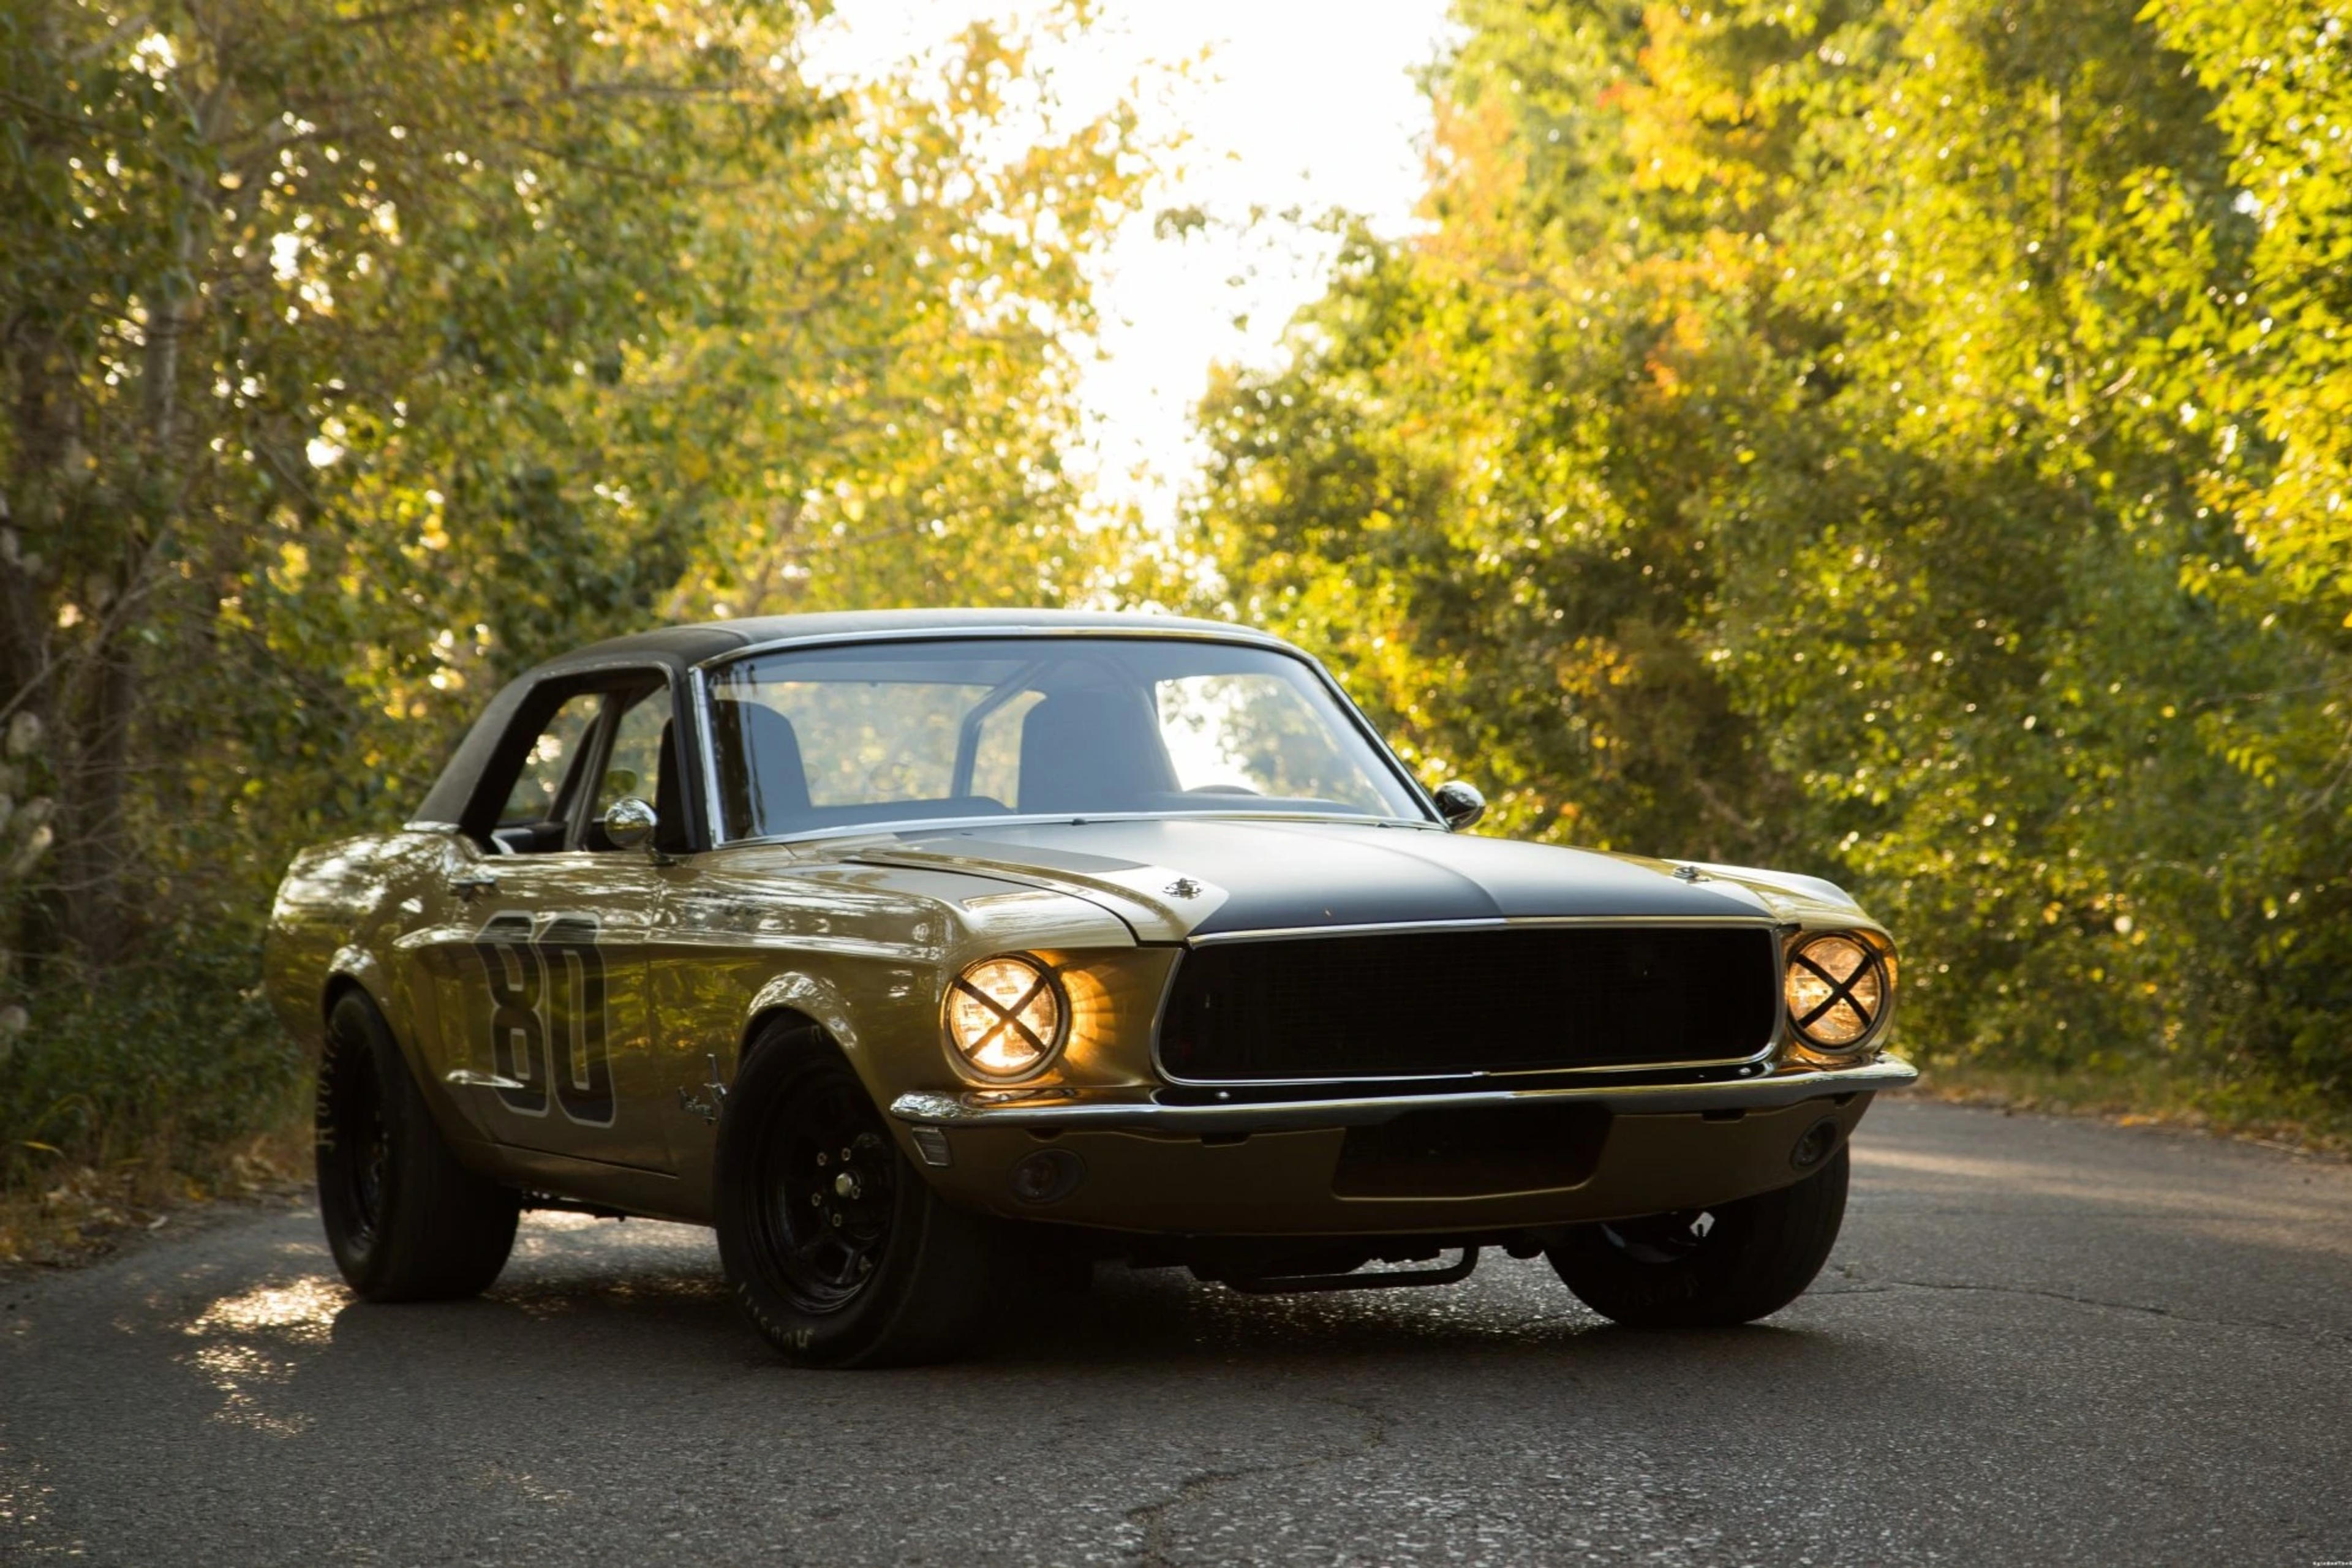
point(148, 1083)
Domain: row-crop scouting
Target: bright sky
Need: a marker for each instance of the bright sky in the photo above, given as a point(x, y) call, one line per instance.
point(1300, 103)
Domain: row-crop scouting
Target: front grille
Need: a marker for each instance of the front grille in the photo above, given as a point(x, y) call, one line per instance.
point(1434, 1003)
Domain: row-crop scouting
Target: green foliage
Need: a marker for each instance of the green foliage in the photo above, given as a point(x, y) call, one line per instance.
point(110, 1076)
point(354, 357)
point(1901, 442)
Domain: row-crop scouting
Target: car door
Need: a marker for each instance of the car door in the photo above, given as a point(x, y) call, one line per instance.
point(540, 980)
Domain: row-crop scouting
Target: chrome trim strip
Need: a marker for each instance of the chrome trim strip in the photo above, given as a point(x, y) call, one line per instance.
point(1493, 923)
point(1788, 1087)
point(1771, 1046)
point(706, 747)
point(466, 1078)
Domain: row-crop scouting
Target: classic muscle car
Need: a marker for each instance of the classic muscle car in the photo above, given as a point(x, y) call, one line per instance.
point(933, 955)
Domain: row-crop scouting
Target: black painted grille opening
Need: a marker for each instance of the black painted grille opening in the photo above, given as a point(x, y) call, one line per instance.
point(1430, 1004)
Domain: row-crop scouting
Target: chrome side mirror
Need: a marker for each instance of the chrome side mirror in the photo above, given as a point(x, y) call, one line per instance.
point(1460, 804)
point(629, 824)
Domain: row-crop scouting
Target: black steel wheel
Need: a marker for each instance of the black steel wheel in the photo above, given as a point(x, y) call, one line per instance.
point(404, 1218)
point(829, 1179)
point(1711, 1267)
point(354, 1148)
point(836, 1249)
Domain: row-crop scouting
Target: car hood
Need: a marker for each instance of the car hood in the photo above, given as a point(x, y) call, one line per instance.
point(1172, 879)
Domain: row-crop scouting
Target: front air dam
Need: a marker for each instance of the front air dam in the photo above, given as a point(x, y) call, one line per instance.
point(1290, 1182)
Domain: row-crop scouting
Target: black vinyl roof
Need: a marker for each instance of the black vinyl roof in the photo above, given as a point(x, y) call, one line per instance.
point(693, 645)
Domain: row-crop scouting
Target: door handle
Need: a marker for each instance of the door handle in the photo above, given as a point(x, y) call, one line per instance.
point(467, 886)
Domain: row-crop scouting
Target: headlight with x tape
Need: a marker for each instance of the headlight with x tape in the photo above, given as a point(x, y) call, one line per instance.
point(1838, 989)
point(1006, 1017)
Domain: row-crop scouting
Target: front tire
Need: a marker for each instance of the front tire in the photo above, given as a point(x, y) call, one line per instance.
point(405, 1221)
point(835, 1248)
point(1707, 1267)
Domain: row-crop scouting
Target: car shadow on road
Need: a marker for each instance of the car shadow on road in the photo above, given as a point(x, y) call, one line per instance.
point(677, 1318)
point(1516, 1312)
point(655, 1318)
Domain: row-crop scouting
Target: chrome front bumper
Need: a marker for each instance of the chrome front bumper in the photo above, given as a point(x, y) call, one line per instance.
point(1120, 1110)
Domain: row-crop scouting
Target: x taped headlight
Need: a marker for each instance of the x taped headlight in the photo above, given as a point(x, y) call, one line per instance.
point(1006, 1016)
point(1837, 991)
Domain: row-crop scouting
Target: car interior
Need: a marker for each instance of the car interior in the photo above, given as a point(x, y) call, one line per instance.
point(1048, 737)
point(620, 738)
point(1083, 748)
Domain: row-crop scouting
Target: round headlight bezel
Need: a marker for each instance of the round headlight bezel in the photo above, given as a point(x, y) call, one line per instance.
point(1875, 972)
point(968, 1005)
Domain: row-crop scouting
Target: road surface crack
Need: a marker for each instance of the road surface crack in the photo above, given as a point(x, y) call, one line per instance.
point(1151, 1518)
point(2138, 1309)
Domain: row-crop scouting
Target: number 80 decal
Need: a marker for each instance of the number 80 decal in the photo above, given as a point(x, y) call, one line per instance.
point(547, 1015)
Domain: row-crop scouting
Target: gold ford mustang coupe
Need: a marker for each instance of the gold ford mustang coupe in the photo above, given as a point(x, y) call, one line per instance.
point(927, 955)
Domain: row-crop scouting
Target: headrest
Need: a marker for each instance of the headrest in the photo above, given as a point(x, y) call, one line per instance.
point(1093, 750)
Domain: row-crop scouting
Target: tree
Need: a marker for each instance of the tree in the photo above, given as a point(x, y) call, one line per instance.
point(1835, 437)
point(355, 357)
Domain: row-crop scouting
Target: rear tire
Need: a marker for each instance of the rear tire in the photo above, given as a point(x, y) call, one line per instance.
point(1707, 1267)
point(834, 1246)
point(406, 1220)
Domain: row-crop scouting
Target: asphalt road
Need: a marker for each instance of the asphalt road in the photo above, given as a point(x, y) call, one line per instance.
point(2038, 1341)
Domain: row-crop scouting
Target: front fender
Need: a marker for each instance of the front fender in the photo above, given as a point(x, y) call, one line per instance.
point(815, 998)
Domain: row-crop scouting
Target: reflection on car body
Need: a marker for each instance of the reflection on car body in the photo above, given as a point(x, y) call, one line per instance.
point(933, 955)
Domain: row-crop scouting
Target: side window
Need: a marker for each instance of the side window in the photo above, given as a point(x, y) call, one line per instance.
point(633, 767)
point(532, 817)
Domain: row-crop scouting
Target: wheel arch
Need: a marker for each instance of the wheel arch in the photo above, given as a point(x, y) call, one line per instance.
point(353, 969)
point(812, 1000)
point(763, 1019)
point(355, 972)
point(339, 987)
point(803, 999)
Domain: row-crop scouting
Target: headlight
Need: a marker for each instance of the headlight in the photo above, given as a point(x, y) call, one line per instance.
point(1006, 1016)
point(1837, 991)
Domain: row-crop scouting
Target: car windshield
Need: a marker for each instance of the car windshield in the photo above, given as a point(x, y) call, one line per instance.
point(872, 734)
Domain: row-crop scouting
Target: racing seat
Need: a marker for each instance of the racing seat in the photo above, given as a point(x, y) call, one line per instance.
point(762, 783)
point(1094, 750)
